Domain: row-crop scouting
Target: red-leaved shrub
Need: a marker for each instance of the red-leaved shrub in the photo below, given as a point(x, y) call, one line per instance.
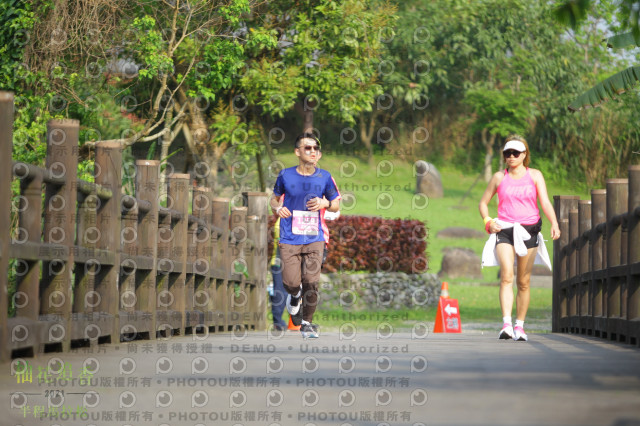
point(373, 244)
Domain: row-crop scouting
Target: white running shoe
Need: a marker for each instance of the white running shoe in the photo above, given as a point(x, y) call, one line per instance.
point(520, 335)
point(506, 332)
point(309, 331)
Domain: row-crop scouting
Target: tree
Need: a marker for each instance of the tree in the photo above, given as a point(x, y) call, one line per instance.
point(326, 59)
point(499, 112)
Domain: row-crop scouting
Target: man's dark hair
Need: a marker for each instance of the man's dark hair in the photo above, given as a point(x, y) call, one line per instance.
point(306, 135)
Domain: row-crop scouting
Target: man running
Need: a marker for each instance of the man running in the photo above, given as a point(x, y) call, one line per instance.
point(307, 191)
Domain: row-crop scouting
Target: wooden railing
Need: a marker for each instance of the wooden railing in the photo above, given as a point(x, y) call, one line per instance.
point(596, 278)
point(98, 266)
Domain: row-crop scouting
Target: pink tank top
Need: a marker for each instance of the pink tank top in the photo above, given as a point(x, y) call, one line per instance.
point(517, 200)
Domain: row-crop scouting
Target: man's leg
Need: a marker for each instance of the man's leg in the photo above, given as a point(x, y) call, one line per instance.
point(291, 267)
point(311, 266)
point(291, 276)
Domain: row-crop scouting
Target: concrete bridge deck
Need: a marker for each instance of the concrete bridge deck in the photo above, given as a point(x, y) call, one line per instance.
point(260, 378)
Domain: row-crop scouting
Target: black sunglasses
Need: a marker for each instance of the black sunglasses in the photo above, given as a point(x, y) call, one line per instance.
point(511, 152)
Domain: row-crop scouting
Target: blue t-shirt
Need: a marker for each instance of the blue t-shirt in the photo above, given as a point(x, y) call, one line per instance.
point(297, 190)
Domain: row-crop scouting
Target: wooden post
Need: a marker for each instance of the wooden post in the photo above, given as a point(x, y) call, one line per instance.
point(200, 244)
point(562, 205)
point(213, 318)
point(178, 194)
point(163, 268)
point(30, 221)
point(84, 297)
point(617, 202)
point(129, 245)
point(633, 252)
point(584, 219)
point(221, 221)
point(59, 230)
point(257, 205)
point(252, 289)
point(598, 216)
point(109, 175)
point(573, 264)
point(563, 295)
point(6, 142)
point(238, 297)
point(147, 190)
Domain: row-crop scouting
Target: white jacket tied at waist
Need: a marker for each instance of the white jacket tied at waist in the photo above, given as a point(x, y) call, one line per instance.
point(520, 235)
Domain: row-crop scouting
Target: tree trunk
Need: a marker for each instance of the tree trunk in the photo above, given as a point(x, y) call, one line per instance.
point(212, 178)
point(488, 157)
point(306, 112)
point(366, 134)
point(167, 138)
point(260, 172)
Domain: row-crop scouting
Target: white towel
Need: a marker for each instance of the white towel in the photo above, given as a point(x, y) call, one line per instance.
point(520, 235)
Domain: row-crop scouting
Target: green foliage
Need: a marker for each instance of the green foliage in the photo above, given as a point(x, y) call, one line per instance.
point(222, 59)
point(501, 112)
point(607, 89)
point(150, 48)
point(264, 85)
point(233, 11)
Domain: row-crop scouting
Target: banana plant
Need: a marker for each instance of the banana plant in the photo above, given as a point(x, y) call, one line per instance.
point(616, 84)
point(572, 13)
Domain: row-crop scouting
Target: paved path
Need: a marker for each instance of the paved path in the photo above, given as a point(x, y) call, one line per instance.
point(341, 379)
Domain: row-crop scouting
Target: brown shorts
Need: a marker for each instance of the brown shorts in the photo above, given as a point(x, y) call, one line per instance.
point(301, 264)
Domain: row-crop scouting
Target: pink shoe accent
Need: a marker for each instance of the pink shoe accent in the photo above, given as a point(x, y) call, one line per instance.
point(506, 332)
point(519, 334)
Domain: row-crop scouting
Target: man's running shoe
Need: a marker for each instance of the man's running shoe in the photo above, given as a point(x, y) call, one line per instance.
point(506, 332)
point(294, 307)
point(309, 331)
point(520, 335)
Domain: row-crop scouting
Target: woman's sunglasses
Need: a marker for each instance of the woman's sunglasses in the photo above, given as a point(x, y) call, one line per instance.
point(511, 152)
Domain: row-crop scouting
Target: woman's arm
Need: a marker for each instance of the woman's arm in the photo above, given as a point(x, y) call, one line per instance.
point(547, 208)
point(483, 206)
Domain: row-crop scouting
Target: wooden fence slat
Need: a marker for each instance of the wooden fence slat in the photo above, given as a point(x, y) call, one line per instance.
point(221, 221)
point(257, 206)
point(633, 252)
point(30, 230)
point(200, 283)
point(109, 175)
point(59, 227)
point(584, 224)
point(617, 201)
point(237, 286)
point(147, 190)
point(6, 142)
point(178, 198)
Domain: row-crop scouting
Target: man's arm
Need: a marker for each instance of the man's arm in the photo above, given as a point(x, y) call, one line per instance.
point(275, 202)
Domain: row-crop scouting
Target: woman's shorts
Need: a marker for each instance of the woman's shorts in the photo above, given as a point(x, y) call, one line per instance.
point(506, 235)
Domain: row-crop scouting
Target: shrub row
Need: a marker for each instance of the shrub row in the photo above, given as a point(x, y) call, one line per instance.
point(373, 244)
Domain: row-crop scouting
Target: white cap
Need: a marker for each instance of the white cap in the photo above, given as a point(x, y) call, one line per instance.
point(517, 145)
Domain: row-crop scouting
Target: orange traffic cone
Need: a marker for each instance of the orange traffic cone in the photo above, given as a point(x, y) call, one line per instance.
point(448, 314)
point(291, 326)
point(444, 291)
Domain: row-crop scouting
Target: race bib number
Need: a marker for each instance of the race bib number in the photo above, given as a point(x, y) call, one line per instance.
point(305, 223)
